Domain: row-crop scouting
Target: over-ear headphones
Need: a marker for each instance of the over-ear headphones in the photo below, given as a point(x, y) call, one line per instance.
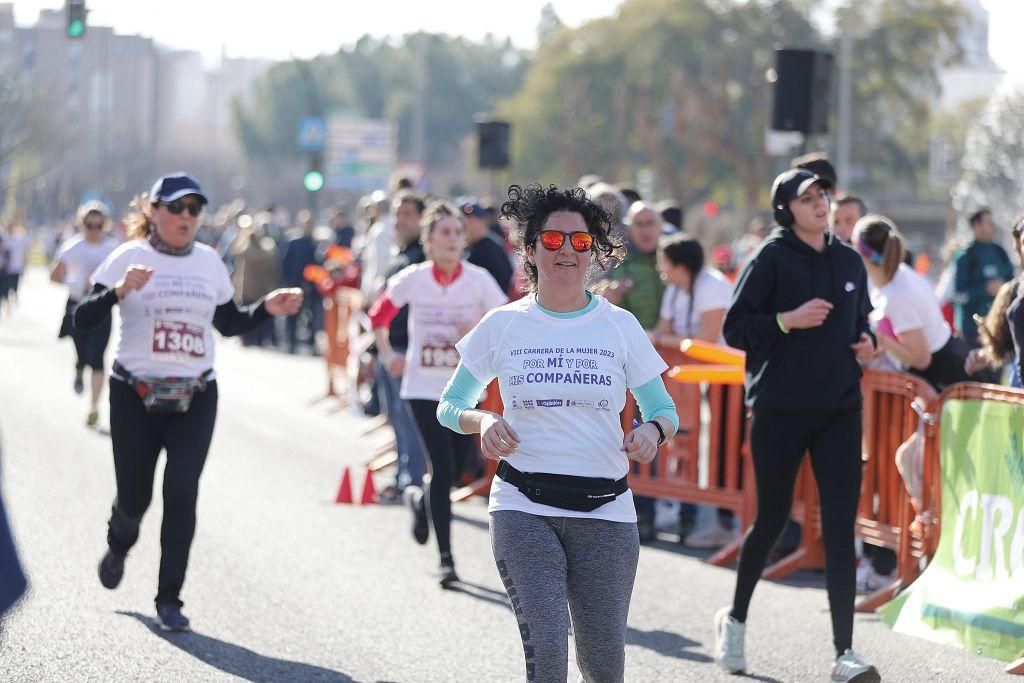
point(780, 209)
point(782, 215)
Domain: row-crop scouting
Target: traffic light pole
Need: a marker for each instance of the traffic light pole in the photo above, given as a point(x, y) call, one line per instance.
point(74, 11)
point(314, 179)
point(314, 182)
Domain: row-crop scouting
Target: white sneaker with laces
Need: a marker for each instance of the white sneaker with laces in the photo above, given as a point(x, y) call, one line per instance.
point(850, 668)
point(729, 635)
point(712, 536)
point(865, 576)
point(869, 580)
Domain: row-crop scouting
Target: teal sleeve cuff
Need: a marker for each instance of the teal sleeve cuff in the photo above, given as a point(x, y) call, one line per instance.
point(654, 401)
point(461, 393)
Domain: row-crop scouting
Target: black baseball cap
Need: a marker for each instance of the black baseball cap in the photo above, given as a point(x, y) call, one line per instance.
point(793, 183)
point(175, 186)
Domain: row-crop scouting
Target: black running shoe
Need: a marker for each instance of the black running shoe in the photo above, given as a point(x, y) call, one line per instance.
point(79, 385)
point(448, 575)
point(420, 525)
point(111, 569)
point(170, 618)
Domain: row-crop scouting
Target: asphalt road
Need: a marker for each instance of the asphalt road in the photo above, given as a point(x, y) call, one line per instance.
point(284, 585)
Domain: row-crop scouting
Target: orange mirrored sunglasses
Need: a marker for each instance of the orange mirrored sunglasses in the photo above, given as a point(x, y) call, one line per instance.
point(552, 240)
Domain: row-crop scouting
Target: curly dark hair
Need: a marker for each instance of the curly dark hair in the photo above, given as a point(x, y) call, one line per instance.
point(529, 207)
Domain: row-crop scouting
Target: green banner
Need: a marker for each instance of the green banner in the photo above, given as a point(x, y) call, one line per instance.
point(972, 594)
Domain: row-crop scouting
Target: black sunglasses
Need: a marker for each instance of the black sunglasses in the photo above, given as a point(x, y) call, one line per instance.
point(177, 206)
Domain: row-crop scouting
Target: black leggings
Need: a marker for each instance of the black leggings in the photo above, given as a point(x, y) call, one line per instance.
point(448, 453)
point(778, 442)
point(90, 345)
point(138, 437)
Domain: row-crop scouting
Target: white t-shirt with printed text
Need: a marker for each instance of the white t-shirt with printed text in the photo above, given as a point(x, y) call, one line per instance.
point(167, 326)
point(17, 246)
point(438, 317)
point(80, 258)
point(909, 302)
point(563, 384)
point(712, 291)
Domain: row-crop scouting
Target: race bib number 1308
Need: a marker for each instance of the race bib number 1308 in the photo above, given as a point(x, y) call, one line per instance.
point(175, 340)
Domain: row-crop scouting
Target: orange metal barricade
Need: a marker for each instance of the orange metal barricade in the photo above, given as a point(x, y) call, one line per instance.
point(676, 473)
point(338, 310)
point(480, 487)
point(893, 406)
point(723, 476)
point(885, 516)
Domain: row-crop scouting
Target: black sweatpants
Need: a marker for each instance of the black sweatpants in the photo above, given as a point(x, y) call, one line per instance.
point(778, 442)
point(448, 453)
point(138, 437)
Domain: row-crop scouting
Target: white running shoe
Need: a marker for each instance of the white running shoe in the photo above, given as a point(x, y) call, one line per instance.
point(712, 536)
point(869, 580)
point(729, 635)
point(850, 668)
point(865, 575)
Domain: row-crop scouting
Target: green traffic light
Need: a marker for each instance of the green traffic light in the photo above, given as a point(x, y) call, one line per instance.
point(76, 28)
point(314, 180)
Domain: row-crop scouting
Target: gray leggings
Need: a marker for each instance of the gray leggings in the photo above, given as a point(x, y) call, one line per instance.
point(547, 563)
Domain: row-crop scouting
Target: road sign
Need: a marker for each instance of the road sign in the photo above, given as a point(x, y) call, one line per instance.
point(312, 134)
point(360, 154)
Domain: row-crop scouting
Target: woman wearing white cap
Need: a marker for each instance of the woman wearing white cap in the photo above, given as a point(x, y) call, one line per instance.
point(172, 292)
point(74, 262)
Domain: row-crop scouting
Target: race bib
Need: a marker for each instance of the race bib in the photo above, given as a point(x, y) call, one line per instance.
point(177, 341)
point(439, 355)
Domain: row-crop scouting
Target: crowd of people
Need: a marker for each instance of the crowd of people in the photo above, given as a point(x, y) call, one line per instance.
point(564, 292)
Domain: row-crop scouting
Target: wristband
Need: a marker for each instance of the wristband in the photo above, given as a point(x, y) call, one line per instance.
point(661, 431)
point(778, 320)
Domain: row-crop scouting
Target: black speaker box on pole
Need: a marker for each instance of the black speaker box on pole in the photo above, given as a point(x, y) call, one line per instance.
point(492, 143)
point(802, 96)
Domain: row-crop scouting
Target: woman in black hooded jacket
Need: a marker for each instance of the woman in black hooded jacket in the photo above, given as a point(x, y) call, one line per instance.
point(800, 312)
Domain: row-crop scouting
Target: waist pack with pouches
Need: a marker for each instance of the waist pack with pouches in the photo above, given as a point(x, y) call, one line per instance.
point(164, 394)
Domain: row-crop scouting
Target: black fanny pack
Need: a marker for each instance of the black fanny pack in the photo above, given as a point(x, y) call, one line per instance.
point(164, 394)
point(583, 494)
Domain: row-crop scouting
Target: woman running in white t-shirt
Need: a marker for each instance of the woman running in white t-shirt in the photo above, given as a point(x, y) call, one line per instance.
point(74, 262)
point(563, 523)
point(446, 296)
point(907, 318)
point(172, 292)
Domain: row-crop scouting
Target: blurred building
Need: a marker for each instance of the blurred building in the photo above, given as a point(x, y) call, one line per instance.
point(130, 108)
point(976, 76)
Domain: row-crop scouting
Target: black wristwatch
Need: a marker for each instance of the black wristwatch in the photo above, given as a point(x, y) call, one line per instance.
point(661, 432)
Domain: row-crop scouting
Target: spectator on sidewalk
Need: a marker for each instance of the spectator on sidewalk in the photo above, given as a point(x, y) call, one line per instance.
point(636, 286)
point(257, 273)
point(979, 271)
point(300, 252)
point(485, 249)
point(846, 211)
point(407, 212)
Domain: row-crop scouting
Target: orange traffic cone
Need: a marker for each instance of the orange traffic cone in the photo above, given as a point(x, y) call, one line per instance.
point(369, 491)
point(345, 490)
